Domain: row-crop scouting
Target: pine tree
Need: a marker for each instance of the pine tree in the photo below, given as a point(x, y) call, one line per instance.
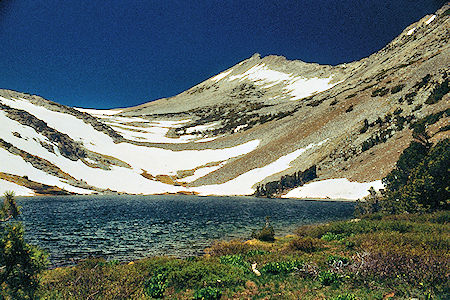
point(20, 263)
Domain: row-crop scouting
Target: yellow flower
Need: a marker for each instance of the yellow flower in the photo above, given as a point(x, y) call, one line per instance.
point(8, 245)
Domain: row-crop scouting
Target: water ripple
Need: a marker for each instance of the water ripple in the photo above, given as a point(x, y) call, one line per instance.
point(132, 227)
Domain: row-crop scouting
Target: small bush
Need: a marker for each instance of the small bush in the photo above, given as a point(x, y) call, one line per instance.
point(228, 248)
point(365, 126)
point(314, 230)
point(442, 217)
point(305, 244)
point(446, 13)
point(207, 293)
point(423, 82)
point(205, 272)
point(328, 278)
point(398, 111)
point(330, 236)
point(410, 97)
point(397, 88)
point(380, 92)
point(438, 92)
point(20, 262)
point(281, 267)
point(109, 263)
point(417, 107)
point(156, 285)
point(345, 297)
point(235, 260)
point(265, 234)
point(402, 265)
point(256, 252)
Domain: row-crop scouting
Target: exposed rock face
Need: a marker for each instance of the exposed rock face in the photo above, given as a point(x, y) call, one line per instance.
point(87, 118)
point(264, 126)
point(67, 147)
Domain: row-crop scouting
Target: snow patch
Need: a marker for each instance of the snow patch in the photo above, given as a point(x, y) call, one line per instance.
point(150, 134)
point(301, 88)
point(243, 184)
point(99, 112)
point(430, 19)
point(14, 164)
point(221, 75)
point(340, 188)
point(297, 86)
point(411, 31)
point(240, 127)
point(201, 127)
point(17, 189)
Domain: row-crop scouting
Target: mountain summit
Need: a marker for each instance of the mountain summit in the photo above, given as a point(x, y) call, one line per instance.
point(267, 126)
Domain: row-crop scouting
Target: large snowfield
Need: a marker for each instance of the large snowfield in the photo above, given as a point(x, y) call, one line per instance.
point(340, 188)
point(153, 160)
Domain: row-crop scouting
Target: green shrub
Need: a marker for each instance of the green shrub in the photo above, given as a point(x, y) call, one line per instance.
point(266, 233)
point(207, 293)
point(446, 13)
point(365, 126)
point(420, 179)
point(20, 263)
point(305, 244)
point(281, 267)
point(380, 92)
point(417, 107)
point(205, 272)
point(410, 97)
point(156, 286)
point(109, 263)
point(442, 217)
point(348, 296)
point(328, 278)
point(439, 91)
point(256, 252)
point(330, 236)
point(423, 82)
point(235, 260)
point(349, 109)
point(314, 230)
point(397, 88)
point(228, 247)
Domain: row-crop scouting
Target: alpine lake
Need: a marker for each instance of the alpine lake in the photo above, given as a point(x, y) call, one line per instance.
point(127, 228)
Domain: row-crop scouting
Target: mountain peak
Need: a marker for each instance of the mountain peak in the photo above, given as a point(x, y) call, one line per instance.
point(266, 126)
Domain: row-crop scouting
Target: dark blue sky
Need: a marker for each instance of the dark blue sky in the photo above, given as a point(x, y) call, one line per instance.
point(118, 53)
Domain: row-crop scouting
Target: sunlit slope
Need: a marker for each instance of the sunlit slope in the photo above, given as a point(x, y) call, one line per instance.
point(267, 126)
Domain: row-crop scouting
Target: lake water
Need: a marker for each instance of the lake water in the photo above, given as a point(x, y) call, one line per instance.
point(131, 227)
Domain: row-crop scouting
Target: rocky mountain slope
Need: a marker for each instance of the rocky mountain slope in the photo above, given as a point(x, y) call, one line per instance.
point(266, 126)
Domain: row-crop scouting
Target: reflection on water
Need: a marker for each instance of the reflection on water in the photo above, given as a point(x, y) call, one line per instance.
point(131, 227)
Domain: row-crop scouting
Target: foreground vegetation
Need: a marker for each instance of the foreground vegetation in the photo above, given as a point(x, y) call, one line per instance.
point(378, 257)
point(20, 262)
